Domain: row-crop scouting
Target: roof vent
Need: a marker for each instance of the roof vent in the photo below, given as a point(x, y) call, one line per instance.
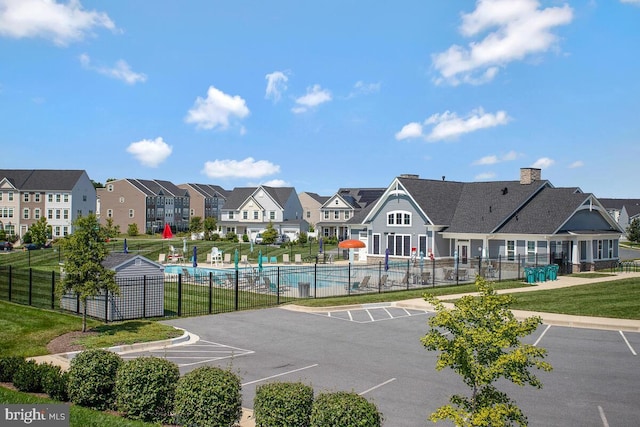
point(443, 177)
point(505, 190)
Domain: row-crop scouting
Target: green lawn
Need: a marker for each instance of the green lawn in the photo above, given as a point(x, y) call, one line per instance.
point(617, 299)
point(78, 416)
point(26, 331)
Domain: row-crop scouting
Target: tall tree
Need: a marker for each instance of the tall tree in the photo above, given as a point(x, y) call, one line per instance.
point(480, 340)
point(633, 231)
point(196, 225)
point(210, 225)
point(40, 231)
point(111, 229)
point(84, 274)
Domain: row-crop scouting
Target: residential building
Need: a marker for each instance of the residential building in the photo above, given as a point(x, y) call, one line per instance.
point(206, 200)
point(150, 204)
point(527, 220)
point(248, 210)
point(61, 196)
point(623, 211)
point(338, 210)
point(311, 205)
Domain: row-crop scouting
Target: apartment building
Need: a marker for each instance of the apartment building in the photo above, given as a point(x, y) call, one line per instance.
point(61, 196)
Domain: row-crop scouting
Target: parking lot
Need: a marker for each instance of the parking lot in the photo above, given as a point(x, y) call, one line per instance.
point(376, 351)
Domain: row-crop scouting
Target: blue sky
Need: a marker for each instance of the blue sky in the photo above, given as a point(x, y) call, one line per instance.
point(323, 95)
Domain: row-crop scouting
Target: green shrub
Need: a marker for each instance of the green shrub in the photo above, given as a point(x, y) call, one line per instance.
point(92, 377)
point(55, 382)
point(28, 377)
point(283, 404)
point(208, 396)
point(145, 388)
point(8, 367)
point(345, 410)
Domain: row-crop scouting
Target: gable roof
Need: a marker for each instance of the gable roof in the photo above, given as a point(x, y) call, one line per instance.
point(42, 179)
point(631, 205)
point(209, 190)
point(320, 199)
point(239, 195)
point(117, 259)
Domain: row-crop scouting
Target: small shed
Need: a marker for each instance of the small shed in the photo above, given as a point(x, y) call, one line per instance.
point(141, 283)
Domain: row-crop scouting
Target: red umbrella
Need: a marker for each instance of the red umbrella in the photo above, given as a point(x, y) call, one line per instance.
point(167, 234)
point(351, 244)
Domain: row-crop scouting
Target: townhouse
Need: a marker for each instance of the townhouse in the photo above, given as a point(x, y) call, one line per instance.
point(149, 204)
point(61, 196)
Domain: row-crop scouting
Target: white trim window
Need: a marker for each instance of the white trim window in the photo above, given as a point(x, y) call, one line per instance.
point(399, 244)
point(326, 214)
point(131, 213)
point(347, 215)
point(531, 251)
point(511, 250)
point(610, 249)
point(25, 213)
point(36, 213)
point(399, 219)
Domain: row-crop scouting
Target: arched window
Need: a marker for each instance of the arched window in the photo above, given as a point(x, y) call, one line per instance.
point(399, 219)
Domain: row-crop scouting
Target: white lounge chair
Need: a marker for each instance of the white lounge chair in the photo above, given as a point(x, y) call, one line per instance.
point(298, 259)
point(162, 258)
point(285, 259)
point(227, 259)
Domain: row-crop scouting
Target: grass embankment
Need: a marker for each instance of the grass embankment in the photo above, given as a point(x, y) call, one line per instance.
point(26, 331)
point(619, 299)
point(78, 416)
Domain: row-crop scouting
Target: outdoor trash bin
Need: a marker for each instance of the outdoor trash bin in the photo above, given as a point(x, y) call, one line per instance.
point(303, 289)
point(531, 275)
point(542, 274)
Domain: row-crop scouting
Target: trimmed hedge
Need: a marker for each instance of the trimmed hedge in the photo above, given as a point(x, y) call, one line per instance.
point(283, 404)
point(28, 377)
point(8, 367)
point(145, 388)
point(92, 378)
point(55, 382)
point(208, 396)
point(345, 410)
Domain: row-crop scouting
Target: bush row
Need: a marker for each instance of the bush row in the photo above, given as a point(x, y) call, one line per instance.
point(151, 389)
point(293, 405)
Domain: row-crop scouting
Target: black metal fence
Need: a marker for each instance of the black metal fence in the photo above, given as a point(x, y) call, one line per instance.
point(202, 291)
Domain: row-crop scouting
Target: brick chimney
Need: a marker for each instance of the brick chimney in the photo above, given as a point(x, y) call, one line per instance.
point(530, 175)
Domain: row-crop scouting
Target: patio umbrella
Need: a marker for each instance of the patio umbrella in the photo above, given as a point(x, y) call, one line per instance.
point(195, 256)
point(421, 261)
point(320, 245)
point(167, 234)
point(386, 260)
point(126, 248)
point(184, 247)
point(251, 245)
point(351, 244)
point(235, 258)
point(260, 260)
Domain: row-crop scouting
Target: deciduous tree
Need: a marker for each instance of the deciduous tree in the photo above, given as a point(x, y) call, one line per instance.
point(633, 231)
point(84, 274)
point(40, 231)
point(479, 339)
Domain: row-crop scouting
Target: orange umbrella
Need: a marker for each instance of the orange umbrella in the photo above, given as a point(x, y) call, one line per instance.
point(351, 244)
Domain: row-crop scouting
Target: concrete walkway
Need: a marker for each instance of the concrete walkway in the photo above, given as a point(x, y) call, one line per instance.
point(64, 359)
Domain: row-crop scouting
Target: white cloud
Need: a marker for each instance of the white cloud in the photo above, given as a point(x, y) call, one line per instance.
point(520, 28)
point(276, 84)
point(410, 130)
point(362, 88)
point(61, 23)
point(631, 1)
point(247, 168)
point(276, 183)
point(448, 125)
point(314, 97)
point(216, 110)
point(493, 159)
point(580, 163)
point(485, 176)
point(121, 71)
point(150, 152)
point(543, 163)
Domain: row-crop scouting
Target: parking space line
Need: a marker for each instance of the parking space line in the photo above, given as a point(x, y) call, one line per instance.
point(605, 423)
point(370, 316)
point(349, 316)
point(535, 344)
point(376, 386)
point(279, 375)
point(628, 344)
